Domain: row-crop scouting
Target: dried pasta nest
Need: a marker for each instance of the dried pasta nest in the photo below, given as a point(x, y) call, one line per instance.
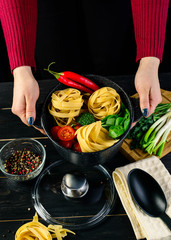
point(94, 137)
point(65, 105)
point(35, 230)
point(103, 102)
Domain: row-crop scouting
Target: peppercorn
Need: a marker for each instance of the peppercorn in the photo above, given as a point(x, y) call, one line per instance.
point(22, 162)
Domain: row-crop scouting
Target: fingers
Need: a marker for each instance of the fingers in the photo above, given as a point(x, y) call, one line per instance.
point(31, 115)
point(24, 107)
point(20, 111)
point(154, 98)
point(144, 102)
point(30, 111)
point(19, 108)
point(25, 110)
point(25, 95)
point(149, 100)
point(147, 85)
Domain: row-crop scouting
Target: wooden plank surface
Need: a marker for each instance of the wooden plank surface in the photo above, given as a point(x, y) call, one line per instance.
point(138, 154)
point(16, 205)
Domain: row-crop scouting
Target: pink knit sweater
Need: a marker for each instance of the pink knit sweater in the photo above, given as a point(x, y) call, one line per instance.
point(19, 21)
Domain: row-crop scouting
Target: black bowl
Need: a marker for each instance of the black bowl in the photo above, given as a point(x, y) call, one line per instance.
point(92, 158)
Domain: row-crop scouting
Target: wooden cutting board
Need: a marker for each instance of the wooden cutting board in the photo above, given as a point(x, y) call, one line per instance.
point(137, 154)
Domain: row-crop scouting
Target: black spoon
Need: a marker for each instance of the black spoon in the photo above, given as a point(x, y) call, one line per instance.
point(148, 194)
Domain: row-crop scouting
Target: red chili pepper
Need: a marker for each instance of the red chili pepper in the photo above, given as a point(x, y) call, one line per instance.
point(70, 83)
point(74, 80)
point(80, 79)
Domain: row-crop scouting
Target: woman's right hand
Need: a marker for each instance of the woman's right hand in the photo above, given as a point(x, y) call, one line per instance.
point(25, 95)
point(147, 85)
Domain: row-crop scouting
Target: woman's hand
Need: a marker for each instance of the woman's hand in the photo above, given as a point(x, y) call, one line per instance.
point(25, 95)
point(147, 84)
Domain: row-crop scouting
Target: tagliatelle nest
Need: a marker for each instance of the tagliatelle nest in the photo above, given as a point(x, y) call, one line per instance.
point(103, 102)
point(65, 105)
point(35, 230)
point(94, 137)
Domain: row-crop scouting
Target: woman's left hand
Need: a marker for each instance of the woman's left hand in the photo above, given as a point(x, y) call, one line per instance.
point(147, 84)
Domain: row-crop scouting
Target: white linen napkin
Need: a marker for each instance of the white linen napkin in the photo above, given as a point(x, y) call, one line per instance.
point(143, 225)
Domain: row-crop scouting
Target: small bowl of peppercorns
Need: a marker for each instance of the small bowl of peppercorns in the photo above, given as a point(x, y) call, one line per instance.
point(22, 159)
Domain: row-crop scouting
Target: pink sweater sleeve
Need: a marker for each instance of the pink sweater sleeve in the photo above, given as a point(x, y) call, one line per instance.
point(19, 23)
point(149, 17)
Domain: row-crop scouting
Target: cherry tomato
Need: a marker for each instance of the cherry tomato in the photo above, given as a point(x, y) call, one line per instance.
point(76, 147)
point(66, 144)
point(54, 132)
point(76, 126)
point(66, 133)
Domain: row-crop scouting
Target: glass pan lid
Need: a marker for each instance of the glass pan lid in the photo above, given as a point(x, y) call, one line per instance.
point(80, 213)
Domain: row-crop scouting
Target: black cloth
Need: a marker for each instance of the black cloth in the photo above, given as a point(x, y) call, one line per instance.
point(86, 36)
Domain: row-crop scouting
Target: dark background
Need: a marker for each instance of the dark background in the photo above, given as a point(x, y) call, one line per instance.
point(86, 37)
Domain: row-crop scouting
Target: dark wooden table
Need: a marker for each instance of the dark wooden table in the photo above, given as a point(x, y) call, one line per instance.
point(16, 206)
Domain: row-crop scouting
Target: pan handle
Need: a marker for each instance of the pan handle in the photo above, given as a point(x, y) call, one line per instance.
point(136, 109)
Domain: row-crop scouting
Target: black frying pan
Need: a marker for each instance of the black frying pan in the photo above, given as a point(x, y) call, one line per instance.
point(95, 158)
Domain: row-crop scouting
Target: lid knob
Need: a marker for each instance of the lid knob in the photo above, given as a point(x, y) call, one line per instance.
point(74, 185)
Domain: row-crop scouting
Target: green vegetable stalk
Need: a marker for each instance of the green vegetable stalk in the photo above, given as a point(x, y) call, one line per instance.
point(151, 133)
point(160, 120)
point(143, 125)
point(155, 138)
